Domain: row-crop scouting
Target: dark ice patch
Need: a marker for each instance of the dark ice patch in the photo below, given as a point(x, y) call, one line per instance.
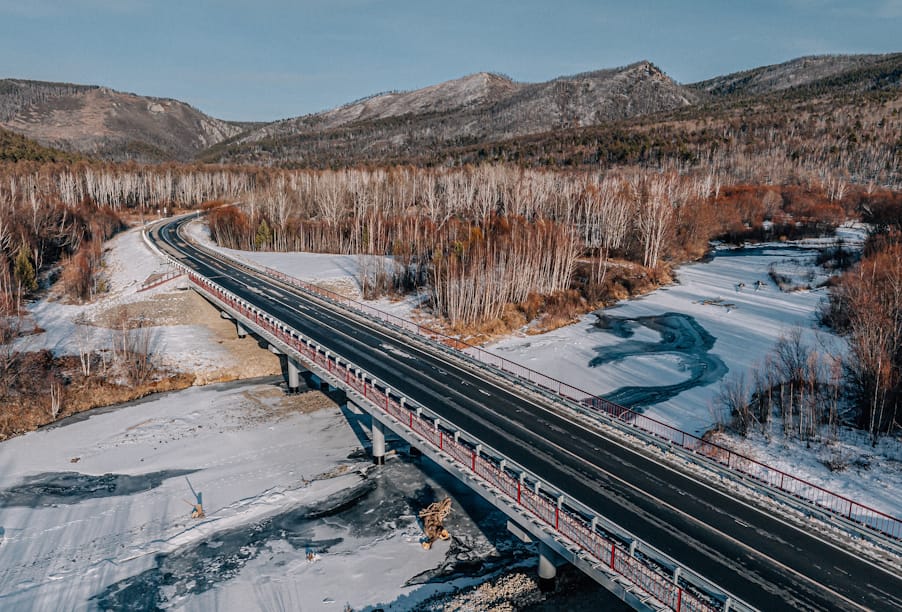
point(681, 335)
point(618, 326)
point(52, 488)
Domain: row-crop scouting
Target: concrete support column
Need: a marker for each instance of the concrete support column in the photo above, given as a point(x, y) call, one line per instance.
point(240, 329)
point(378, 442)
point(547, 569)
point(316, 382)
point(294, 376)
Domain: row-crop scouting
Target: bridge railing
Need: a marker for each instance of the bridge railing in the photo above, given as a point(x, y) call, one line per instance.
point(770, 476)
point(159, 279)
point(555, 513)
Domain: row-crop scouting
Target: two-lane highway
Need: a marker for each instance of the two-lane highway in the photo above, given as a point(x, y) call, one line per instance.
point(754, 555)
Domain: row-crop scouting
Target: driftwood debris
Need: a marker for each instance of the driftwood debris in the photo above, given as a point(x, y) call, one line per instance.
point(433, 518)
point(197, 511)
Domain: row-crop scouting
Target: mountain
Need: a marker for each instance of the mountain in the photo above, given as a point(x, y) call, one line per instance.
point(834, 73)
point(468, 92)
point(106, 123)
point(635, 113)
point(476, 108)
point(806, 114)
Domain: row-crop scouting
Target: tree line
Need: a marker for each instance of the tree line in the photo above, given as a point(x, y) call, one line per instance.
point(808, 389)
point(477, 239)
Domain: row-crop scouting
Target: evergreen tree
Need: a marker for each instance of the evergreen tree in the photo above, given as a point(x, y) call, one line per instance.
point(263, 239)
point(23, 270)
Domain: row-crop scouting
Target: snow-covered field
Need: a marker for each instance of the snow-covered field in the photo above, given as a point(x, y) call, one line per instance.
point(338, 273)
point(129, 262)
point(93, 513)
point(744, 324)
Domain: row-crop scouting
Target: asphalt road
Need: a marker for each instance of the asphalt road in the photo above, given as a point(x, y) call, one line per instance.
point(768, 563)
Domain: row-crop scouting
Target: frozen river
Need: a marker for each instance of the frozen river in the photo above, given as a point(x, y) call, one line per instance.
point(94, 512)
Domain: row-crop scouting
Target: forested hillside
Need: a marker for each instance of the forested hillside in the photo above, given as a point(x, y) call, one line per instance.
point(14, 147)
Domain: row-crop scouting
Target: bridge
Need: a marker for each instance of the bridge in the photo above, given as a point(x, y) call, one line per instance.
point(658, 533)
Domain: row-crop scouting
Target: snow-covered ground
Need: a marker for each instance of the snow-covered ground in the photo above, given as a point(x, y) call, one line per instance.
point(128, 262)
point(866, 474)
point(93, 513)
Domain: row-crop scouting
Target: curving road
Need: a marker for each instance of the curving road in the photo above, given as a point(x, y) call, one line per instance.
point(768, 563)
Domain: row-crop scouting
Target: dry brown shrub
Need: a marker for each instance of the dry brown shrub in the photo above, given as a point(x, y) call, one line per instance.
point(29, 403)
point(617, 291)
point(532, 306)
point(660, 275)
point(513, 317)
point(211, 204)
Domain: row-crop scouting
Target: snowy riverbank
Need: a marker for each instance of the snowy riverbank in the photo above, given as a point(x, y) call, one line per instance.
point(185, 334)
point(94, 514)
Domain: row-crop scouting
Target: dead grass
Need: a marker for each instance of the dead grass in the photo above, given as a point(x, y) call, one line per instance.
point(95, 394)
point(26, 404)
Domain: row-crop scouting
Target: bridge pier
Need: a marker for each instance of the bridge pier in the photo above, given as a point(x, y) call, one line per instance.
point(547, 569)
point(314, 382)
point(378, 442)
point(294, 375)
point(239, 328)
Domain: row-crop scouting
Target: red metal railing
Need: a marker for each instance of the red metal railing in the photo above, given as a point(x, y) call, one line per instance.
point(761, 472)
point(569, 524)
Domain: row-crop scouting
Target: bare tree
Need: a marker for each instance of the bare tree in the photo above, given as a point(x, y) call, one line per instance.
point(85, 344)
point(734, 395)
point(133, 349)
point(56, 397)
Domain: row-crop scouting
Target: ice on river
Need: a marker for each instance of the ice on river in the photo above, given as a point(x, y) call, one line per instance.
point(94, 513)
point(726, 323)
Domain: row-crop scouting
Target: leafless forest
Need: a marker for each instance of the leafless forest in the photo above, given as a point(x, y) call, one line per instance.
point(493, 246)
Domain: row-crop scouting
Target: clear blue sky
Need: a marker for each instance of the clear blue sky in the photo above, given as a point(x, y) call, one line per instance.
point(269, 59)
